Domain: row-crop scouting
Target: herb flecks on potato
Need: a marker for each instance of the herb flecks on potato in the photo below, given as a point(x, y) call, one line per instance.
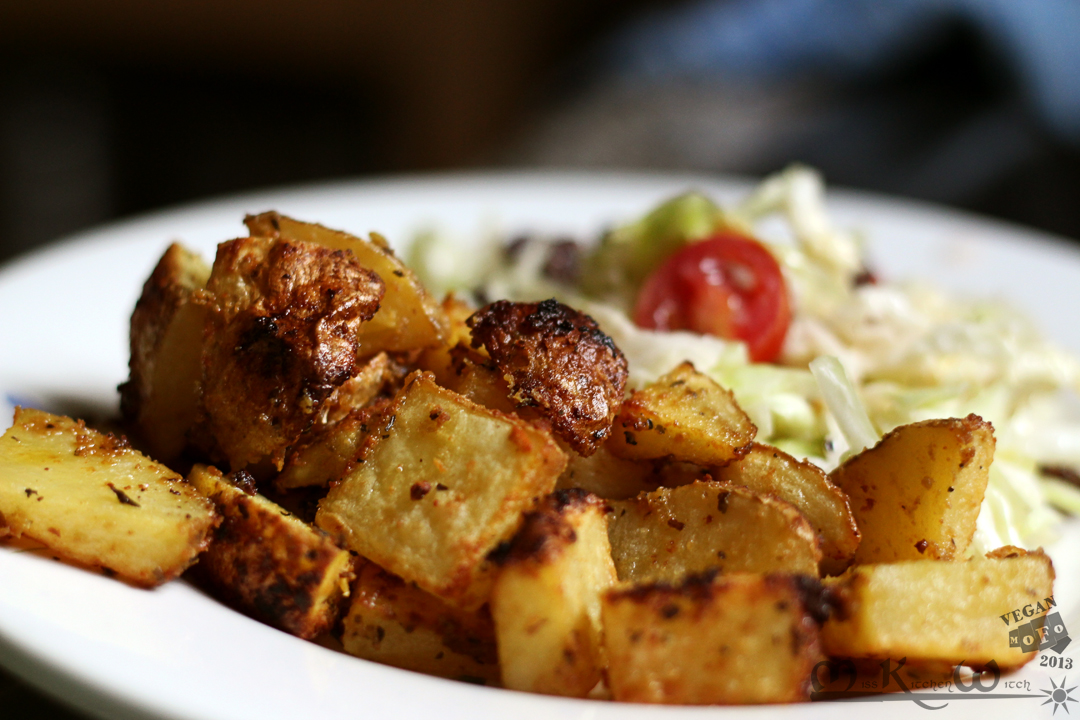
point(267, 562)
point(546, 599)
point(93, 500)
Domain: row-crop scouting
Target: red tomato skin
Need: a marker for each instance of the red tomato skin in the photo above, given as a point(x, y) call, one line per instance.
point(729, 286)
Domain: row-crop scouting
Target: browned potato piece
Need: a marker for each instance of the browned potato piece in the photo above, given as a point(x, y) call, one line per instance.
point(93, 500)
point(442, 484)
point(546, 598)
point(917, 493)
point(664, 535)
point(736, 639)
point(395, 623)
point(437, 359)
point(322, 457)
point(281, 337)
point(268, 563)
point(769, 471)
point(409, 319)
point(683, 415)
point(476, 377)
point(609, 477)
point(559, 364)
point(377, 376)
point(160, 400)
point(945, 611)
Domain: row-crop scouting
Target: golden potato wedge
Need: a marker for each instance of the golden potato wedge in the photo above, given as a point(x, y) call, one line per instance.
point(940, 611)
point(734, 639)
point(266, 562)
point(282, 336)
point(93, 500)
point(684, 415)
point(559, 364)
point(409, 318)
point(160, 400)
point(442, 484)
point(546, 597)
point(917, 493)
point(664, 535)
point(769, 471)
point(396, 623)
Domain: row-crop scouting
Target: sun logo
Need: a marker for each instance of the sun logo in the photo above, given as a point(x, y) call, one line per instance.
point(1059, 695)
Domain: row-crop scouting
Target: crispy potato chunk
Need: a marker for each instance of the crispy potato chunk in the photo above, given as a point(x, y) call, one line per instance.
point(93, 500)
point(684, 415)
point(664, 535)
point(946, 611)
point(409, 318)
point(160, 400)
point(546, 598)
point(396, 623)
point(441, 485)
point(917, 493)
point(609, 477)
point(558, 362)
point(736, 639)
point(377, 376)
point(324, 456)
point(281, 338)
point(437, 359)
point(477, 378)
point(769, 471)
point(267, 562)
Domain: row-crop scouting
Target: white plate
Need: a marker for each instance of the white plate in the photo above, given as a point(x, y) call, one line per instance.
point(119, 652)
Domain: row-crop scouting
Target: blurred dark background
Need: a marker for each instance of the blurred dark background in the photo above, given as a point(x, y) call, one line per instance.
point(115, 107)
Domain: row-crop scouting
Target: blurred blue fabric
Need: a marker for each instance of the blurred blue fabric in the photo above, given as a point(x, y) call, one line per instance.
point(1035, 41)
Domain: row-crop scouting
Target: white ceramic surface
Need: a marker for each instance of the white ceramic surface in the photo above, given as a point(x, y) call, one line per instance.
point(118, 652)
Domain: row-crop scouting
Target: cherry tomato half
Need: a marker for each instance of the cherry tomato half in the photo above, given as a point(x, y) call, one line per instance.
point(729, 286)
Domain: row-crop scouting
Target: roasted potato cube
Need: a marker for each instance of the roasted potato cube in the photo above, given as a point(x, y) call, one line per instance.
point(160, 400)
point(409, 318)
point(609, 477)
point(437, 359)
point(957, 612)
point(684, 415)
point(917, 493)
point(769, 471)
point(476, 377)
point(93, 500)
point(559, 364)
point(377, 376)
point(546, 598)
point(441, 485)
point(268, 563)
point(321, 457)
point(736, 639)
point(396, 623)
point(664, 535)
point(281, 338)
